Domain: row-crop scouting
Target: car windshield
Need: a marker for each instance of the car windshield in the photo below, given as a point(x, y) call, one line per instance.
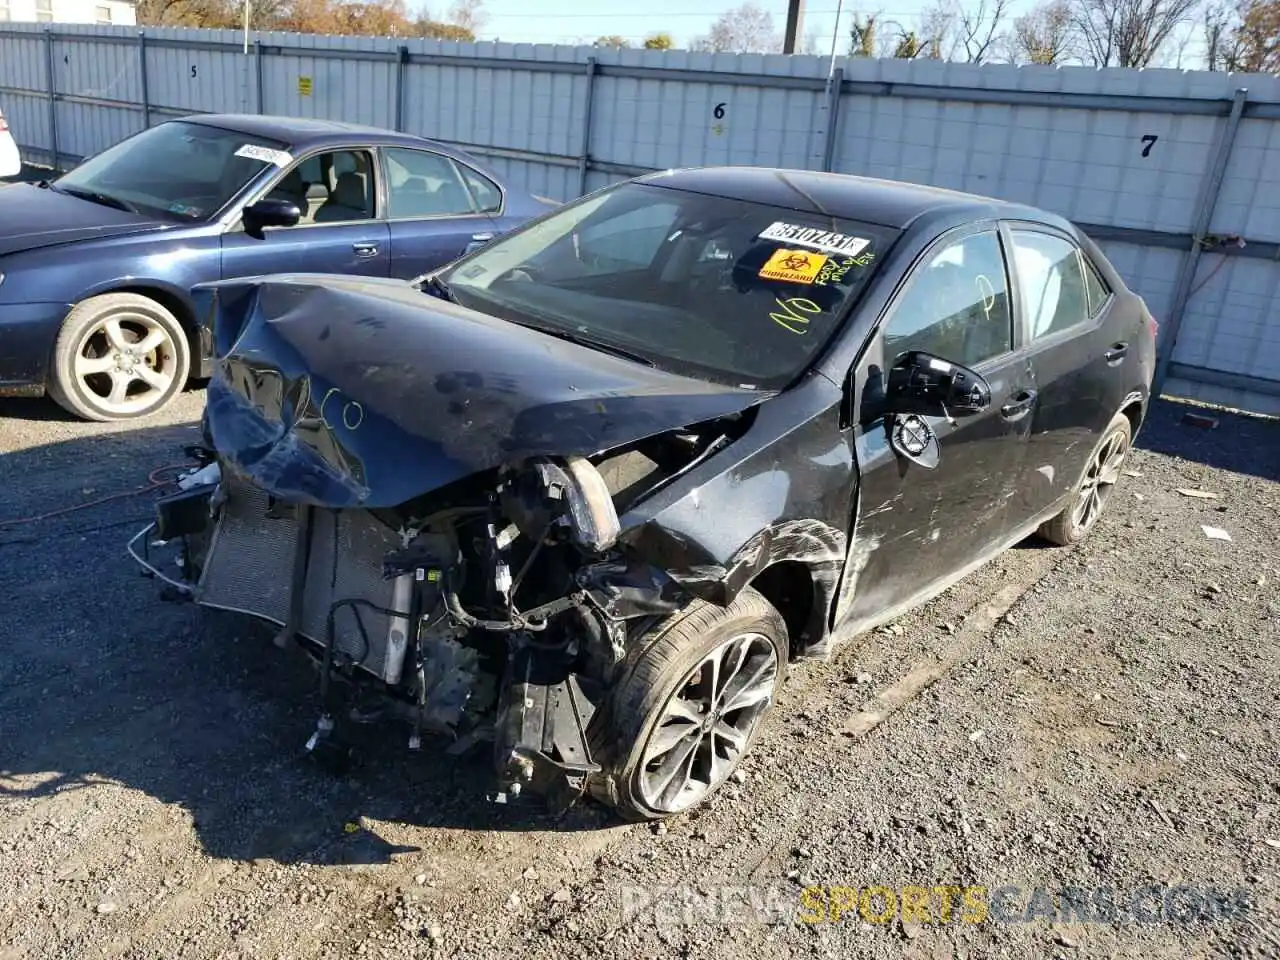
point(177, 170)
point(726, 290)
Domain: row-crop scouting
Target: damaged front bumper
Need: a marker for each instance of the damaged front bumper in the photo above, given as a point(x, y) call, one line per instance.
point(418, 622)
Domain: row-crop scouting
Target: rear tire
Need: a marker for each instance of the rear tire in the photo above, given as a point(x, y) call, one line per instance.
point(119, 356)
point(1095, 486)
point(667, 738)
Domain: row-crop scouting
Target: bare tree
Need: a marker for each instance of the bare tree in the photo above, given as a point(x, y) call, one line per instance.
point(1044, 35)
point(744, 29)
point(862, 35)
point(1256, 40)
point(939, 29)
point(468, 14)
point(1127, 33)
point(979, 28)
point(907, 45)
point(1218, 36)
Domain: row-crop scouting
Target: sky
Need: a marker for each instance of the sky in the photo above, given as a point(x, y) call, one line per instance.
point(572, 21)
point(567, 21)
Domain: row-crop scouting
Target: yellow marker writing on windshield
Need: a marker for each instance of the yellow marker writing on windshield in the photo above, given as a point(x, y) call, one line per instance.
point(792, 316)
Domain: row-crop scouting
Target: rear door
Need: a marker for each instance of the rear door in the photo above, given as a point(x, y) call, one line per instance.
point(1078, 351)
point(341, 230)
point(437, 209)
point(916, 526)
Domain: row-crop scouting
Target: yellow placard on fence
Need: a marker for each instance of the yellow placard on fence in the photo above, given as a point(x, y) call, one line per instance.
point(304, 86)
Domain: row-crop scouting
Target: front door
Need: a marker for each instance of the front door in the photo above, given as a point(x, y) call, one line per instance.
point(914, 527)
point(340, 230)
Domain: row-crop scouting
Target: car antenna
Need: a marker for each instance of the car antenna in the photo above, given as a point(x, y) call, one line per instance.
point(804, 193)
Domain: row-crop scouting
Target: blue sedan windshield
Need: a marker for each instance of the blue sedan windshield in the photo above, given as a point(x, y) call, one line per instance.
point(177, 170)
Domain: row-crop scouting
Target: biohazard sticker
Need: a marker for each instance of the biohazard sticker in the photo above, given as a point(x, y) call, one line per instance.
point(252, 151)
point(795, 235)
point(794, 266)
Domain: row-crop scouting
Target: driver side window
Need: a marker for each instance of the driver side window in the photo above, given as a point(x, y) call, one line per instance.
point(334, 187)
point(956, 304)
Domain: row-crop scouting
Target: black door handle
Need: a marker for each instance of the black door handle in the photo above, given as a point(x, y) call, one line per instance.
point(1018, 405)
point(1116, 352)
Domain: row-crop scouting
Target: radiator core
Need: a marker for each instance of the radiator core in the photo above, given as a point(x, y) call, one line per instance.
point(248, 570)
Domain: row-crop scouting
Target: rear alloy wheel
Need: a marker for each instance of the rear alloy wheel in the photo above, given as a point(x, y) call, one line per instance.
point(690, 705)
point(1094, 489)
point(118, 357)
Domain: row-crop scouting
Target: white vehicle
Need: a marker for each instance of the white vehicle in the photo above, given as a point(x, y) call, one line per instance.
point(10, 162)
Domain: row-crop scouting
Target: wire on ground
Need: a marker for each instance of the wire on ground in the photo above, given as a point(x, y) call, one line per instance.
point(154, 482)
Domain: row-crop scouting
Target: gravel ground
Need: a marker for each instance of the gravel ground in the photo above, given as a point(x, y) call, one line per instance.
point(1102, 716)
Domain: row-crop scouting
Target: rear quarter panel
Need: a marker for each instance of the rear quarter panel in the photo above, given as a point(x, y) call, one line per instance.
point(1129, 321)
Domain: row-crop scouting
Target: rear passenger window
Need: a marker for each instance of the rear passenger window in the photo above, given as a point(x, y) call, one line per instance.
point(956, 305)
point(1097, 287)
point(423, 184)
point(1052, 282)
point(487, 195)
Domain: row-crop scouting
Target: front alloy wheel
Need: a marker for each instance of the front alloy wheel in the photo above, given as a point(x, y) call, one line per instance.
point(119, 356)
point(707, 723)
point(688, 705)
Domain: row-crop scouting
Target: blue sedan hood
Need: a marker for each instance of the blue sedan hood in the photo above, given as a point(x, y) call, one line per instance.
point(32, 217)
point(339, 392)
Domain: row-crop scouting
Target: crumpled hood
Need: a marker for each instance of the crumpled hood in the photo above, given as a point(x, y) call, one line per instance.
point(32, 217)
point(337, 391)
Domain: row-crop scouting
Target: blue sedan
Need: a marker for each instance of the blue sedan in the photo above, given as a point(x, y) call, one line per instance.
point(96, 267)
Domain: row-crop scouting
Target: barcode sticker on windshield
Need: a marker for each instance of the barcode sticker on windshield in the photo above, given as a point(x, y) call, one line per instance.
point(251, 151)
point(814, 238)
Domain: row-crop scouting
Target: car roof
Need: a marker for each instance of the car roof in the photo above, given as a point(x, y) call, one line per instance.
point(302, 132)
point(887, 203)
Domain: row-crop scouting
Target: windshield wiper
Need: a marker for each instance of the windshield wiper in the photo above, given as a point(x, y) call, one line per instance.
point(436, 287)
point(95, 197)
point(584, 341)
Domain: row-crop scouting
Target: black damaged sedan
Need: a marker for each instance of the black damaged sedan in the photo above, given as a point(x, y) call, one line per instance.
point(584, 494)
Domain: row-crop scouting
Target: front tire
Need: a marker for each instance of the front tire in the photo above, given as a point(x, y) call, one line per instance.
point(1094, 488)
point(119, 356)
point(688, 707)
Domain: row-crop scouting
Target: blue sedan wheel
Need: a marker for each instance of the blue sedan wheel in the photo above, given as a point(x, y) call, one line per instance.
point(119, 356)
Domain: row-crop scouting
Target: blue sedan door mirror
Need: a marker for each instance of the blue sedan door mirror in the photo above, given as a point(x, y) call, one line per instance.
point(270, 212)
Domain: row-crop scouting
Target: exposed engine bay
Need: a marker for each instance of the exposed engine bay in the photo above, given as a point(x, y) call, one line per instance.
point(495, 609)
point(487, 532)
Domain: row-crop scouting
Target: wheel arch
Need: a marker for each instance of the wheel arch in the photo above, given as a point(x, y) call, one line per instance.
point(792, 589)
point(1134, 406)
point(795, 565)
point(173, 298)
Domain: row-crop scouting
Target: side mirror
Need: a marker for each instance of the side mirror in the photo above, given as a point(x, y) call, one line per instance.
point(269, 212)
point(922, 383)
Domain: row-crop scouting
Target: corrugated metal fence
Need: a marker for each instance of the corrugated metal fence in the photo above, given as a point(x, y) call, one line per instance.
point(1176, 174)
